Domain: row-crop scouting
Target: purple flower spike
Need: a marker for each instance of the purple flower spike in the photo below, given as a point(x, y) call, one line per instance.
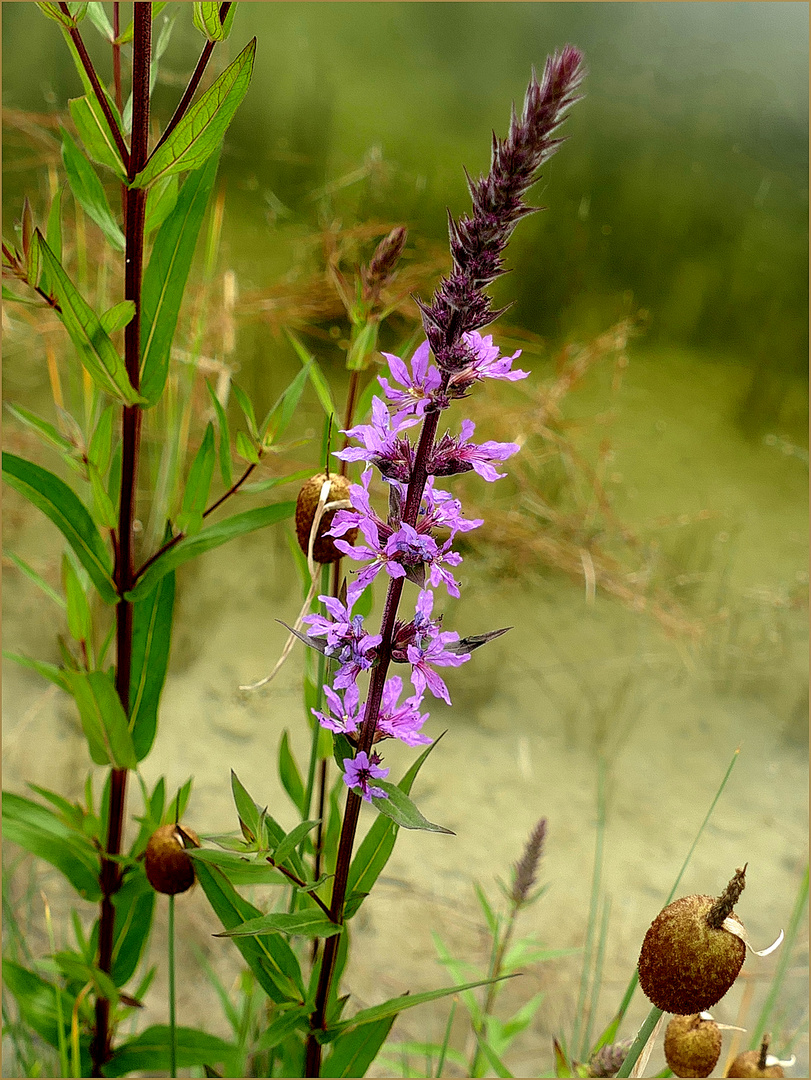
point(345, 640)
point(420, 387)
point(358, 771)
point(404, 721)
point(486, 363)
point(457, 455)
point(345, 716)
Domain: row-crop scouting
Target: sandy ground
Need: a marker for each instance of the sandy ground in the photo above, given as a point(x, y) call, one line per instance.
point(530, 712)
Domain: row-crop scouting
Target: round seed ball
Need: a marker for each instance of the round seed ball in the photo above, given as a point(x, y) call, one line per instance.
point(692, 1045)
point(168, 867)
point(748, 1064)
point(324, 549)
point(686, 965)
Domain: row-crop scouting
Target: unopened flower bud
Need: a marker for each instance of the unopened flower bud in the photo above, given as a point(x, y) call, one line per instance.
point(324, 549)
point(692, 1044)
point(168, 867)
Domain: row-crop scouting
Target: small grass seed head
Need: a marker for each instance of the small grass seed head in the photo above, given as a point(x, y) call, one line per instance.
point(757, 1062)
point(689, 959)
point(692, 1044)
point(324, 549)
point(168, 867)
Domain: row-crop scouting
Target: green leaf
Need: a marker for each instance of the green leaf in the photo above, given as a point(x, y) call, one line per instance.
point(246, 406)
point(290, 842)
point(246, 448)
point(270, 958)
point(58, 502)
point(225, 438)
point(198, 485)
point(320, 384)
point(53, 11)
point(166, 275)
point(402, 810)
point(98, 16)
point(117, 317)
point(206, 18)
point(95, 133)
point(36, 578)
point(43, 428)
point(287, 1023)
point(150, 1052)
point(127, 34)
point(160, 202)
point(51, 672)
point(96, 351)
point(53, 233)
point(247, 810)
point(105, 512)
point(77, 605)
point(151, 638)
point(103, 719)
point(354, 1051)
point(134, 907)
point(88, 191)
point(100, 451)
point(285, 407)
point(238, 869)
point(301, 923)
point(200, 131)
point(210, 537)
point(289, 774)
point(40, 831)
point(43, 1007)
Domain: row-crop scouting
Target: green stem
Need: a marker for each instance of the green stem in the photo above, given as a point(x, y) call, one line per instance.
point(494, 972)
point(172, 1022)
point(640, 1042)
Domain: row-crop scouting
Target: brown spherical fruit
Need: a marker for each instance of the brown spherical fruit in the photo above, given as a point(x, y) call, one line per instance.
point(692, 1045)
point(748, 1064)
point(168, 867)
point(686, 965)
point(324, 549)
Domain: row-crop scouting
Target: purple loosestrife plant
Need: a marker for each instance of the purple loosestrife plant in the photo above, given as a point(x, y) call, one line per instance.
point(403, 544)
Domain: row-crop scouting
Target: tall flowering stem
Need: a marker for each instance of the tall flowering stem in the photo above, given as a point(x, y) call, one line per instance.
point(404, 546)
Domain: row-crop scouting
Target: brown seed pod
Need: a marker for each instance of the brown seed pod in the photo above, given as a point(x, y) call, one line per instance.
point(688, 960)
point(692, 1045)
point(168, 867)
point(324, 549)
point(757, 1062)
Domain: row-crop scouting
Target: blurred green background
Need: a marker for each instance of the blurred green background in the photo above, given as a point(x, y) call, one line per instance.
point(683, 189)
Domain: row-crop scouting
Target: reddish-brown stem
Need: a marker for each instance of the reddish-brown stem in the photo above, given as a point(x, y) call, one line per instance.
point(117, 56)
point(194, 82)
point(110, 877)
point(87, 64)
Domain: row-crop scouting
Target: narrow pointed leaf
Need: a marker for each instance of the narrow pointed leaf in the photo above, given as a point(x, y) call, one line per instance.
point(151, 638)
point(151, 1052)
point(96, 351)
point(46, 431)
point(238, 869)
point(320, 384)
point(78, 609)
point(206, 18)
point(53, 11)
point(354, 1051)
point(402, 810)
point(117, 317)
point(270, 958)
point(160, 202)
point(36, 578)
point(200, 131)
point(289, 774)
point(301, 923)
point(100, 451)
point(224, 437)
point(166, 275)
point(95, 133)
point(98, 16)
point(88, 191)
point(51, 672)
point(198, 485)
point(58, 502)
point(207, 538)
point(43, 1007)
point(103, 719)
point(290, 842)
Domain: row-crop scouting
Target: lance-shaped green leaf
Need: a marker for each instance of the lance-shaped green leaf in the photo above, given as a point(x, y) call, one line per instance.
point(290, 842)
point(210, 537)
point(36, 578)
point(45, 1008)
point(151, 638)
point(238, 869)
point(151, 1051)
point(301, 923)
point(95, 133)
point(66, 510)
point(198, 485)
point(270, 958)
point(103, 719)
point(320, 384)
point(200, 131)
point(134, 907)
point(289, 774)
point(96, 350)
point(224, 437)
point(206, 18)
point(44, 429)
point(40, 831)
point(53, 11)
point(160, 202)
point(88, 191)
point(77, 605)
point(117, 317)
point(355, 1050)
point(98, 17)
point(166, 275)
point(402, 810)
point(51, 672)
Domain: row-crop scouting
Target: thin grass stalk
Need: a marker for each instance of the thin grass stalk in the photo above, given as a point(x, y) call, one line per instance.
point(110, 877)
point(579, 1045)
point(60, 1013)
point(443, 1050)
point(640, 1042)
point(172, 991)
point(597, 977)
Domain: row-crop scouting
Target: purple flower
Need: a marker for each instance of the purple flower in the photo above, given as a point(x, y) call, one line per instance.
point(456, 455)
point(346, 640)
point(486, 363)
point(441, 510)
point(382, 445)
point(404, 721)
point(358, 771)
point(345, 716)
point(420, 387)
point(422, 643)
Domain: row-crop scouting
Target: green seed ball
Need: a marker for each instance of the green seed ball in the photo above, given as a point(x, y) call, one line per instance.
point(324, 549)
point(692, 1045)
point(168, 867)
point(686, 965)
point(747, 1064)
